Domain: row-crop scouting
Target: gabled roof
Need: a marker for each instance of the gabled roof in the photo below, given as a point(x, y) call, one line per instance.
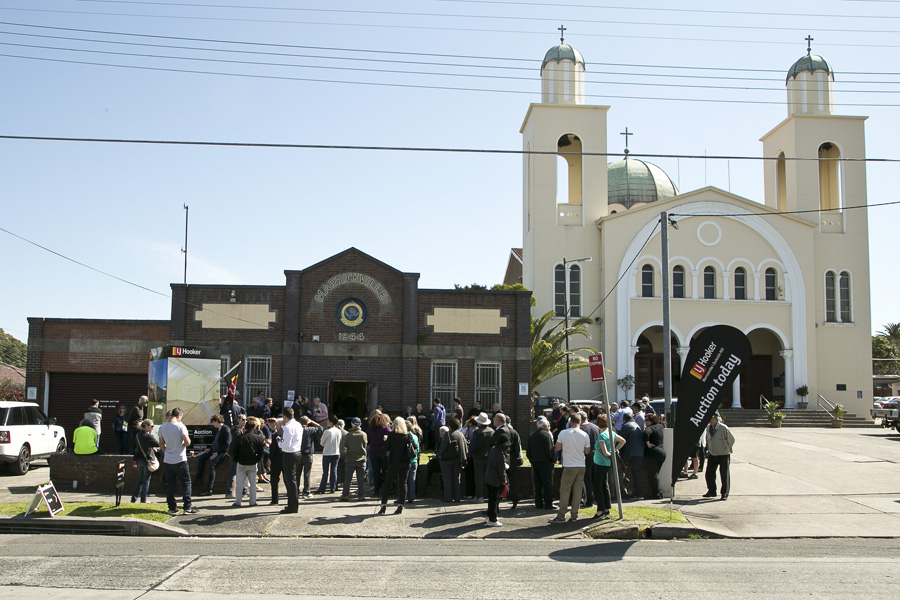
point(352, 252)
point(14, 374)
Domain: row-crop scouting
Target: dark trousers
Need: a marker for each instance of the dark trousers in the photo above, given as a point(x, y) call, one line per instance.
point(542, 473)
point(306, 461)
point(469, 473)
point(480, 465)
point(600, 483)
point(589, 480)
point(276, 467)
point(290, 462)
point(450, 474)
point(512, 495)
point(653, 462)
point(379, 471)
point(122, 437)
point(637, 475)
point(493, 498)
point(396, 473)
point(358, 467)
point(172, 474)
point(723, 462)
point(213, 463)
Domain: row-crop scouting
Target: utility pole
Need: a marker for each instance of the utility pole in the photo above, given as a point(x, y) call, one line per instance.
point(184, 250)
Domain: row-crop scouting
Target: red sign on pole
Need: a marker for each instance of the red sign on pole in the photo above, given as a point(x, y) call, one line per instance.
point(596, 363)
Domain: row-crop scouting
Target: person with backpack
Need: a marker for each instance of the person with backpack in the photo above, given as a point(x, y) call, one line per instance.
point(400, 450)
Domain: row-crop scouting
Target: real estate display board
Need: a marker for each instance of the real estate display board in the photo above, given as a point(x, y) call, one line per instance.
point(186, 377)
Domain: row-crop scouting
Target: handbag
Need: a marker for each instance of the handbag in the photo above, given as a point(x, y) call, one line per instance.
point(152, 461)
point(504, 491)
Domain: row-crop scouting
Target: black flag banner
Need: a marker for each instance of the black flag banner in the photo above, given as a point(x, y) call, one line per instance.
point(714, 361)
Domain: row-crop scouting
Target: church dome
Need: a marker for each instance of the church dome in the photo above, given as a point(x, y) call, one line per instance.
point(562, 52)
point(810, 64)
point(632, 181)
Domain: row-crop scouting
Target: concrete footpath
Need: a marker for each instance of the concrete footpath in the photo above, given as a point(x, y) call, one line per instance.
point(785, 483)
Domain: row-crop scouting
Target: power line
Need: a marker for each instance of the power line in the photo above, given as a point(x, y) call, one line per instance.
point(426, 149)
point(626, 271)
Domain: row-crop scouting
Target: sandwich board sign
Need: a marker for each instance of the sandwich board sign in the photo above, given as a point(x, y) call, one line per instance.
point(48, 495)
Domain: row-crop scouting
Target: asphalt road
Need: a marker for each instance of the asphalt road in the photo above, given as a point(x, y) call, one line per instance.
point(101, 568)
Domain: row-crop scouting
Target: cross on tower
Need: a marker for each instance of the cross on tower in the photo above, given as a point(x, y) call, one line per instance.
point(809, 39)
point(626, 134)
point(562, 33)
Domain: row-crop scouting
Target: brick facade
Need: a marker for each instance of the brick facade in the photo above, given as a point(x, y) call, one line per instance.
point(384, 343)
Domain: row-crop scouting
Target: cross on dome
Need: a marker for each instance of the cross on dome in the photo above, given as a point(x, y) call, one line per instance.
point(562, 33)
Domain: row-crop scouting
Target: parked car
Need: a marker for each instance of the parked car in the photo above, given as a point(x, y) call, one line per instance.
point(26, 433)
point(544, 404)
point(660, 407)
point(887, 412)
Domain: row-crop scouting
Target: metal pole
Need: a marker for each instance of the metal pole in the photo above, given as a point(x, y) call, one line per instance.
point(184, 250)
point(611, 433)
point(566, 317)
point(667, 332)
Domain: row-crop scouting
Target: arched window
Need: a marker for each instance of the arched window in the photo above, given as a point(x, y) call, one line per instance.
point(771, 284)
point(574, 291)
point(780, 183)
point(846, 317)
point(830, 308)
point(568, 171)
point(740, 284)
point(647, 281)
point(829, 177)
point(559, 290)
point(678, 281)
point(709, 282)
point(560, 284)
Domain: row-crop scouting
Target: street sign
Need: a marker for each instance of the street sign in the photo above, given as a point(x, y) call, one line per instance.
point(596, 363)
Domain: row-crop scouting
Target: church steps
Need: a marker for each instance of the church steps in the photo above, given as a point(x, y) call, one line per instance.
point(792, 418)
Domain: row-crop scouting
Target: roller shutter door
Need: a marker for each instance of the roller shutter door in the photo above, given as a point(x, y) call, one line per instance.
point(71, 393)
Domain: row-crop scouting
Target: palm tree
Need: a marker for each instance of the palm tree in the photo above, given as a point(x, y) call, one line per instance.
point(548, 348)
point(892, 332)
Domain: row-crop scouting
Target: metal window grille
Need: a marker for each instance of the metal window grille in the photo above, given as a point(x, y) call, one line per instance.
point(709, 282)
point(678, 282)
point(559, 290)
point(574, 292)
point(845, 297)
point(225, 381)
point(487, 384)
point(830, 308)
point(771, 281)
point(647, 281)
point(317, 389)
point(443, 380)
point(740, 284)
point(257, 377)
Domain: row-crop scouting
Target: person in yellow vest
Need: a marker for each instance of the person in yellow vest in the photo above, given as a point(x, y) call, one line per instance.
point(84, 438)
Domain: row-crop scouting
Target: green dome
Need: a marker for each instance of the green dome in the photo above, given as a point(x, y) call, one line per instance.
point(811, 63)
point(562, 52)
point(632, 181)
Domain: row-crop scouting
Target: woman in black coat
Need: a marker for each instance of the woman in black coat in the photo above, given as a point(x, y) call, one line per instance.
point(495, 474)
point(655, 455)
point(398, 465)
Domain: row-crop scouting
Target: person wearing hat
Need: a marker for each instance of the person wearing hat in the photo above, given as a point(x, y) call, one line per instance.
point(479, 447)
point(719, 443)
point(495, 474)
point(353, 451)
point(542, 456)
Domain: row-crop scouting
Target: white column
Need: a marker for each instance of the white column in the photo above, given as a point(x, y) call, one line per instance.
point(736, 393)
point(694, 275)
point(632, 352)
point(726, 276)
point(682, 355)
point(756, 285)
point(790, 399)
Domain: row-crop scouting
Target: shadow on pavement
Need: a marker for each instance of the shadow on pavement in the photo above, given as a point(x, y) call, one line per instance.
point(593, 553)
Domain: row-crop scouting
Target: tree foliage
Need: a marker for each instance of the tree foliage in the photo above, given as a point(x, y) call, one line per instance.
point(12, 351)
point(10, 391)
point(548, 347)
point(883, 348)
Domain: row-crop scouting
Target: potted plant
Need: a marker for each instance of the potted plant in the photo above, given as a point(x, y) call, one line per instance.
point(837, 416)
point(802, 393)
point(775, 417)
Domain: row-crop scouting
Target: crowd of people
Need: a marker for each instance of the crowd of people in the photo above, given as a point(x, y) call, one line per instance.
point(475, 456)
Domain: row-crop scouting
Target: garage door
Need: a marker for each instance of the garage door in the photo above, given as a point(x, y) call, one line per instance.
point(71, 393)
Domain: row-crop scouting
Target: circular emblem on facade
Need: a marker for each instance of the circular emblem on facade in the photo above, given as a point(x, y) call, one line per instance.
point(352, 312)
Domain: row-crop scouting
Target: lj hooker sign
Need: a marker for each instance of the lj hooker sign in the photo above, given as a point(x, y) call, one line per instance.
point(714, 361)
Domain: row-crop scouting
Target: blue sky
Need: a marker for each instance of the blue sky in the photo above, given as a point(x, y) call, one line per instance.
point(255, 212)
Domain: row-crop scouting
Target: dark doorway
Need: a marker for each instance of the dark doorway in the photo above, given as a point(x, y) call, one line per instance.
point(348, 399)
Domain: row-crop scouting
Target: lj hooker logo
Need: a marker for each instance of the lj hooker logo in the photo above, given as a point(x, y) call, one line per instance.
point(698, 371)
point(176, 351)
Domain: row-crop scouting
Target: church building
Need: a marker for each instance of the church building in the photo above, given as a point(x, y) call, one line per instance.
point(790, 270)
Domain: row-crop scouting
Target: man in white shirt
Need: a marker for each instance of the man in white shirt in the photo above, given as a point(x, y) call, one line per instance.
point(619, 415)
point(572, 444)
point(292, 435)
point(173, 443)
point(331, 454)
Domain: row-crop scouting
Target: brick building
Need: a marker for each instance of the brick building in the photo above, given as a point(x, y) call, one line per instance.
point(351, 330)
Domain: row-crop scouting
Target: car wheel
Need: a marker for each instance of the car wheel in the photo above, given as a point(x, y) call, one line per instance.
point(61, 447)
point(23, 461)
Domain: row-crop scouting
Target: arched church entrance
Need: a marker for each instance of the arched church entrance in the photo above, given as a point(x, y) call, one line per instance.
point(648, 364)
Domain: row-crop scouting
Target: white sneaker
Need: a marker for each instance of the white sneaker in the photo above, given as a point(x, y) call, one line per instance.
point(490, 523)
